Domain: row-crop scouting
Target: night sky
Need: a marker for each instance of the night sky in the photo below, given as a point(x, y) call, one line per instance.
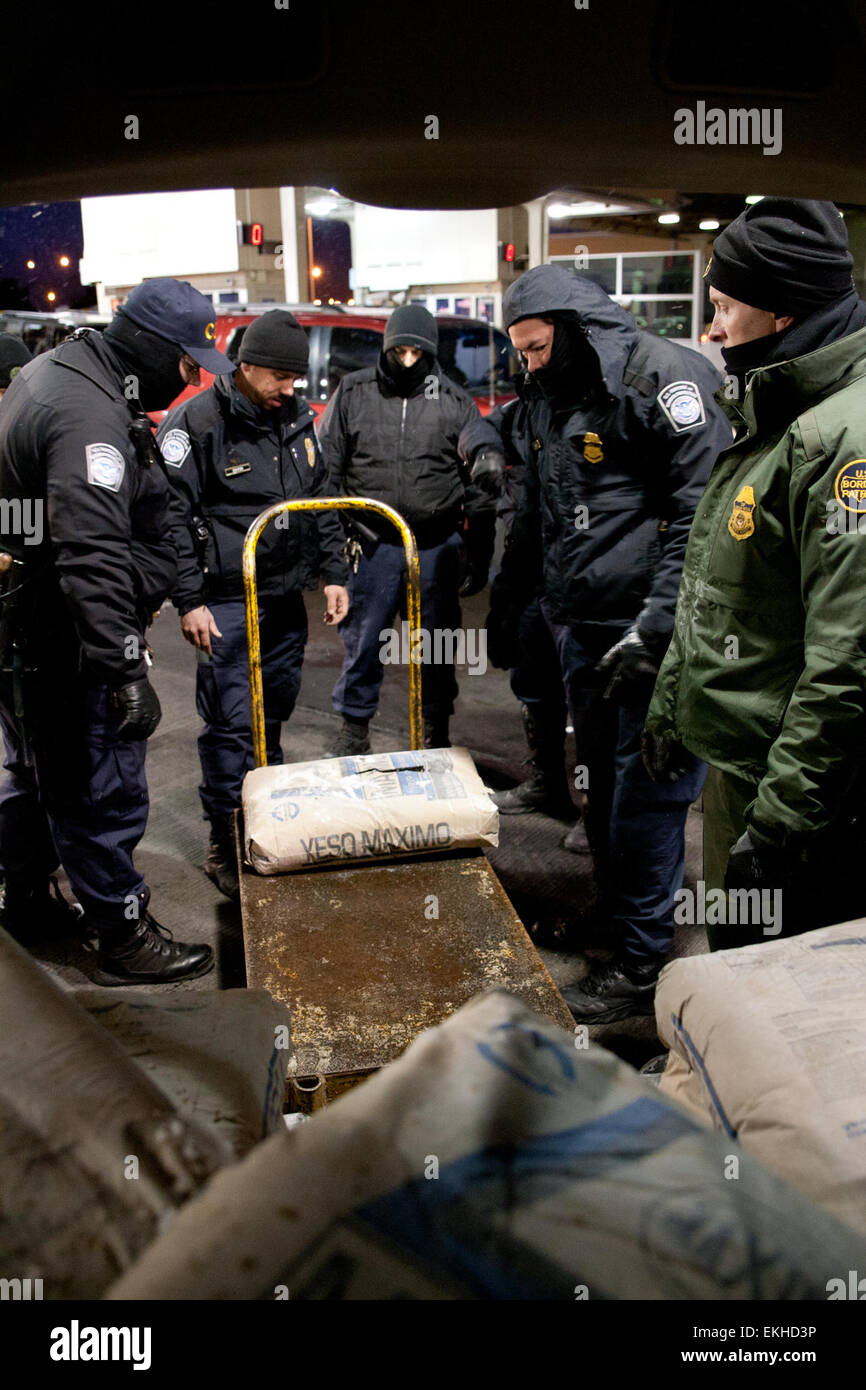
point(42, 233)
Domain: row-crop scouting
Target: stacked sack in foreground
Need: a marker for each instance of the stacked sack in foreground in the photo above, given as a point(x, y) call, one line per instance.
point(497, 1159)
point(768, 1044)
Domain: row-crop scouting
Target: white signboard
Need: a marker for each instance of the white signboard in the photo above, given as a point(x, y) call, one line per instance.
point(131, 237)
point(395, 247)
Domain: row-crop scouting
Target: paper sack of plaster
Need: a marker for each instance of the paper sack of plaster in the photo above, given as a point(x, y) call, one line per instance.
point(768, 1043)
point(348, 810)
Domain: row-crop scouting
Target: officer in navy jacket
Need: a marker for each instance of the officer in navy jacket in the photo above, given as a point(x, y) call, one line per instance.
point(611, 445)
point(231, 452)
point(93, 559)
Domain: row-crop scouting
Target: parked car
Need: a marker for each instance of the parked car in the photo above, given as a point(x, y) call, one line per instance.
point(41, 332)
point(476, 355)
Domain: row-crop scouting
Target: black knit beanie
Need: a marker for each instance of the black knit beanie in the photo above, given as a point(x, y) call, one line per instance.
point(278, 341)
point(13, 356)
point(412, 326)
point(784, 255)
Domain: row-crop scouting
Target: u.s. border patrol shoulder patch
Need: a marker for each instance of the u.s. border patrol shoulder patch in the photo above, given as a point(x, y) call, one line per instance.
point(850, 486)
point(105, 466)
point(175, 447)
point(682, 404)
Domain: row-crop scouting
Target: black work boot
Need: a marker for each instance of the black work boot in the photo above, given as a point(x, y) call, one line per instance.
point(38, 911)
point(547, 789)
point(436, 733)
point(352, 740)
point(148, 956)
point(608, 993)
point(221, 865)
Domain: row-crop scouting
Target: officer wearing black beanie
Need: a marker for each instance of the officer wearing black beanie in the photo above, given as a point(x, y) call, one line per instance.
point(782, 262)
point(765, 675)
point(390, 432)
point(230, 452)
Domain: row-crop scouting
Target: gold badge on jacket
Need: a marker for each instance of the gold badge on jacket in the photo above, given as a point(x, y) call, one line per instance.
point(741, 522)
point(592, 450)
point(311, 452)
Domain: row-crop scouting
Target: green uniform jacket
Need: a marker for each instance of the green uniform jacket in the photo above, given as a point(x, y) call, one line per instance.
point(766, 674)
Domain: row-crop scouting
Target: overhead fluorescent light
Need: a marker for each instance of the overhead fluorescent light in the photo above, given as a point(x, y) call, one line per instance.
point(590, 209)
point(668, 219)
point(709, 224)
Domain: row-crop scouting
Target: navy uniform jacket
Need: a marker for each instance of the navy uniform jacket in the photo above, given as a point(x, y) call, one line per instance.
point(605, 492)
point(103, 558)
point(402, 451)
point(228, 461)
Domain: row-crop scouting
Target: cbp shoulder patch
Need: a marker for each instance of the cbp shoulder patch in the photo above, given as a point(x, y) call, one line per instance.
point(682, 404)
point(105, 466)
point(175, 447)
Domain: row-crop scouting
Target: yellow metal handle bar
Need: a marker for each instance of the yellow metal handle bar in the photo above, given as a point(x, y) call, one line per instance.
point(251, 597)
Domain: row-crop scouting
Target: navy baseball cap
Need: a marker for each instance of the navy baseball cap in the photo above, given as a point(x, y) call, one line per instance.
point(175, 310)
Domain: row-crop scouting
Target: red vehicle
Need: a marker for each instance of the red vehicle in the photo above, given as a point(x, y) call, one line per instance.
point(476, 355)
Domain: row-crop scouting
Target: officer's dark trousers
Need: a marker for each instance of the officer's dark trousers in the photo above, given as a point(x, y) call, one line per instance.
point(376, 594)
point(225, 745)
point(636, 827)
point(83, 801)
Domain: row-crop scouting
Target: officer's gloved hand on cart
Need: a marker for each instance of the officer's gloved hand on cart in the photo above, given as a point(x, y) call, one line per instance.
point(138, 704)
point(631, 667)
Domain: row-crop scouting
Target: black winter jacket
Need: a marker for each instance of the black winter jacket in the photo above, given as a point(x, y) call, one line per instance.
point(105, 559)
point(227, 462)
point(401, 451)
point(605, 492)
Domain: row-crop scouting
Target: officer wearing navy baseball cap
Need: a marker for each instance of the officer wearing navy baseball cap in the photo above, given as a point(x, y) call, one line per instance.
point(98, 560)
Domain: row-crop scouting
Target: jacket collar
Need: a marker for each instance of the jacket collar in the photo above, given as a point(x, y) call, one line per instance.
point(90, 356)
point(232, 401)
point(777, 394)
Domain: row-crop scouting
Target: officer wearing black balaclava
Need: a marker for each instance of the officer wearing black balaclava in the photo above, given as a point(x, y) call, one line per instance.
point(91, 562)
point(610, 445)
point(390, 432)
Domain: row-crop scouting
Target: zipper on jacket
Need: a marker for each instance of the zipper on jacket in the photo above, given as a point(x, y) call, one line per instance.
point(402, 460)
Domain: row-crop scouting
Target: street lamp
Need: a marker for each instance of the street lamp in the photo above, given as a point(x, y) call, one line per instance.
point(64, 260)
point(51, 296)
point(31, 265)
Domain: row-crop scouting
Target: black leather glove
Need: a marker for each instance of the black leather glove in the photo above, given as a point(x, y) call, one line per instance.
point(502, 643)
point(479, 540)
point(488, 471)
point(139, 706)
point(632, 667)
point(474, 581)
point(665, 759)
point(754, 864)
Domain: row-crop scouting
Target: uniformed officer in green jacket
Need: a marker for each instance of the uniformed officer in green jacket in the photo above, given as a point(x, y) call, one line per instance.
point(765, 678)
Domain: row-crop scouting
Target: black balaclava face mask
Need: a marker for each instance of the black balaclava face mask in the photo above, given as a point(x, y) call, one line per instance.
point(572, 373)
point(152, 360)
point(406, 380)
